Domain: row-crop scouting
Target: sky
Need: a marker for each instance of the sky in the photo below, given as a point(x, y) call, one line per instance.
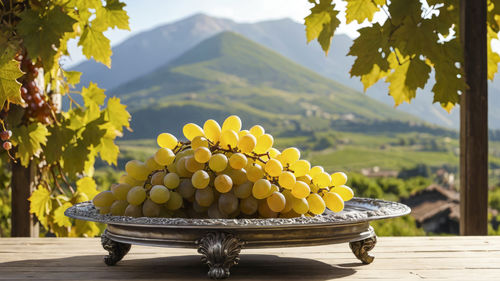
point(147, 14)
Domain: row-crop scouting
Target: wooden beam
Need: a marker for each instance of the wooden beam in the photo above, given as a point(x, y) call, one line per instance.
point(22, 183)
point(474, 120)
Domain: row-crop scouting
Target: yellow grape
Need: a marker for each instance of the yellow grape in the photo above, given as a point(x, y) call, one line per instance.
point(130, 180)
point(290, 155)
point(257, 131)
point(192, 130)
point(247, 143)
point(264, 143)
point(316, 170)
point(261, 188)
point(218, 162)
point(344, 191)
point(200, 179)
point(232, 123)
point(276, 202)
point(322, 180)
point(137, 170)
point(238, 161)
point(204, 197)
point(254, 173)
point(287, 180)
point(273, 167)
point(301, 190)
point(223, 183)
point(228, 203)
point(167, 140)
point(159, 194)
point(157, 178)
point(238, 176)
point(265, 211)
point(249, 205)
point(152, 164)
point(150, 209)
point(333, 201)
point(133, 211)
point(300, 168)
point(202, 154)
point(212, 130)
point(164, 156)
point(136, 195)
point(243, 133)
point(120, 191)
point(229, 138)
point(104, 199)
point(180, 167)
point(186, 188)
point(307, 179)
point(199, 141)
point(175, 201)
point(172, 167)
point(274, 188)
point(118, 208)
point(300, 206)
point(288, 201)
point(192, 165)
point(171, 180)
point(273, 152)
point(338, 179)
point(198, 208)
point(316, 204)
point(243, 190)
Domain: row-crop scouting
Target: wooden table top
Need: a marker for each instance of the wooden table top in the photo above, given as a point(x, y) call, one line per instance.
point(402, 258)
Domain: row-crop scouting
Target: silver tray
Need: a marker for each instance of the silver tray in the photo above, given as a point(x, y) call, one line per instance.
point(221, 240)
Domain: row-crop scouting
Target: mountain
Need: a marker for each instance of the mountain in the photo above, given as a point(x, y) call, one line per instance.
point(148, 50)
point(230, 74)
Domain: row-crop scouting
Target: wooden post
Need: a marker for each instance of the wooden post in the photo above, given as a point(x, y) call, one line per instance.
point(22, 183)
point(474, 120)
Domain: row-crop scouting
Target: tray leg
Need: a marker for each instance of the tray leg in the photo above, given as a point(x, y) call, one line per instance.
point(116, 250)
point(362, 247)
point(220, 251)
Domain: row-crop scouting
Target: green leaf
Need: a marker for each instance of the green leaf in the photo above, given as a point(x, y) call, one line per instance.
point(74, 157)
point(360, 10)
point(88, 186)
point(72, 77)
point(493, 57)
point(117, 114)
point(322, 23)
point(10, 89)
point(95, 44)
point(58, 139)
point(86, 228)
point(29, 140)
point(59, 217)
point(93, 95)
point(366, 50)
point(40, 204)
point(41, 32)
point(109, 151)
point(110, 16)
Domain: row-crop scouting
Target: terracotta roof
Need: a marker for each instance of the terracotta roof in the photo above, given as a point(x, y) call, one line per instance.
point(424, 210)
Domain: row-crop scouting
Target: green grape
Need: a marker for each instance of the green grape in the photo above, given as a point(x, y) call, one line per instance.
point(157, 178)
point(191, 130)
point(307, 179)
point(254, 173)
point(104, 199)
point(316, 204)
point(257, 131)
point(199, 209)
point(243, 190)
point(333, 201)
point(232, 123)
point(212, 130)
point(137, 170)
point(167, 140)
point(265, 211)
point(273, 152)
point(288, 201)
point(338, 179)
point(238, 176)
point(274, 188)
point(214, 213)
point(204, 197)
point(133, 211)
point(247, 143)
point(199, 141)
point(264, 143)
point(289, 215)
point(104, 210)
point(130, 180)
point(238, 161)
point(120, 190)
point(300, 206)
point(344, 191)
point(200, 179)
point(249, 205)
point(136, 195)
point(273, 167)
point(164, 156)
point(228, 203)
point(228, 139)
point(175, 201)
point(180, 166)
point(159, 194)
point(172, 168)
point(152, 164)
point(218, 162)
point(290, 155)
point(202, 154)
point(322, 180)
point(171, 180)
point(301, 190)
point(276, 202)
point(150, 209)
point(223, 183)
point(261, 188)
point(186, 188)
point(287, 180)
point(192, 165)
point(118, 207)
point(300, 168)
point(316, 170)
point(185, 152)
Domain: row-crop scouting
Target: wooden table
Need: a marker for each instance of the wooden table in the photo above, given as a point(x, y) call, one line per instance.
point(402, 258)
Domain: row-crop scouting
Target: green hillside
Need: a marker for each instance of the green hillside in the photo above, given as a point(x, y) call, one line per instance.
point(229, 74)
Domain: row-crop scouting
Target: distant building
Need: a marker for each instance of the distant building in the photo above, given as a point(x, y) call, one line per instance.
point(375, 172)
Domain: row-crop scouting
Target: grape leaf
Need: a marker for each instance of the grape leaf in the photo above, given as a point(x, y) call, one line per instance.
point(88, 186)
point(40, 204)
point(322, 23)
point(29, 140)
point(59, 217)
point(110, 16)
point(108, 151)
point(117, 114)
point(360, 10)
point(58, 139)
point(95, 44)
point(86, 228)
point(93, 95)
point(10, 89)
point(72, 77)
point(366, 50)
point(493, 57)
point(74, 157)
point(373, 76)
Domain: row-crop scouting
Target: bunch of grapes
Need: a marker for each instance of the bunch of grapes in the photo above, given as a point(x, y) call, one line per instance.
point(224, 172)
point(5, 136)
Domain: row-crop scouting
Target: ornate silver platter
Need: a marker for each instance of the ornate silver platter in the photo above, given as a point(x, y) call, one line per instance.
point(221, 240)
